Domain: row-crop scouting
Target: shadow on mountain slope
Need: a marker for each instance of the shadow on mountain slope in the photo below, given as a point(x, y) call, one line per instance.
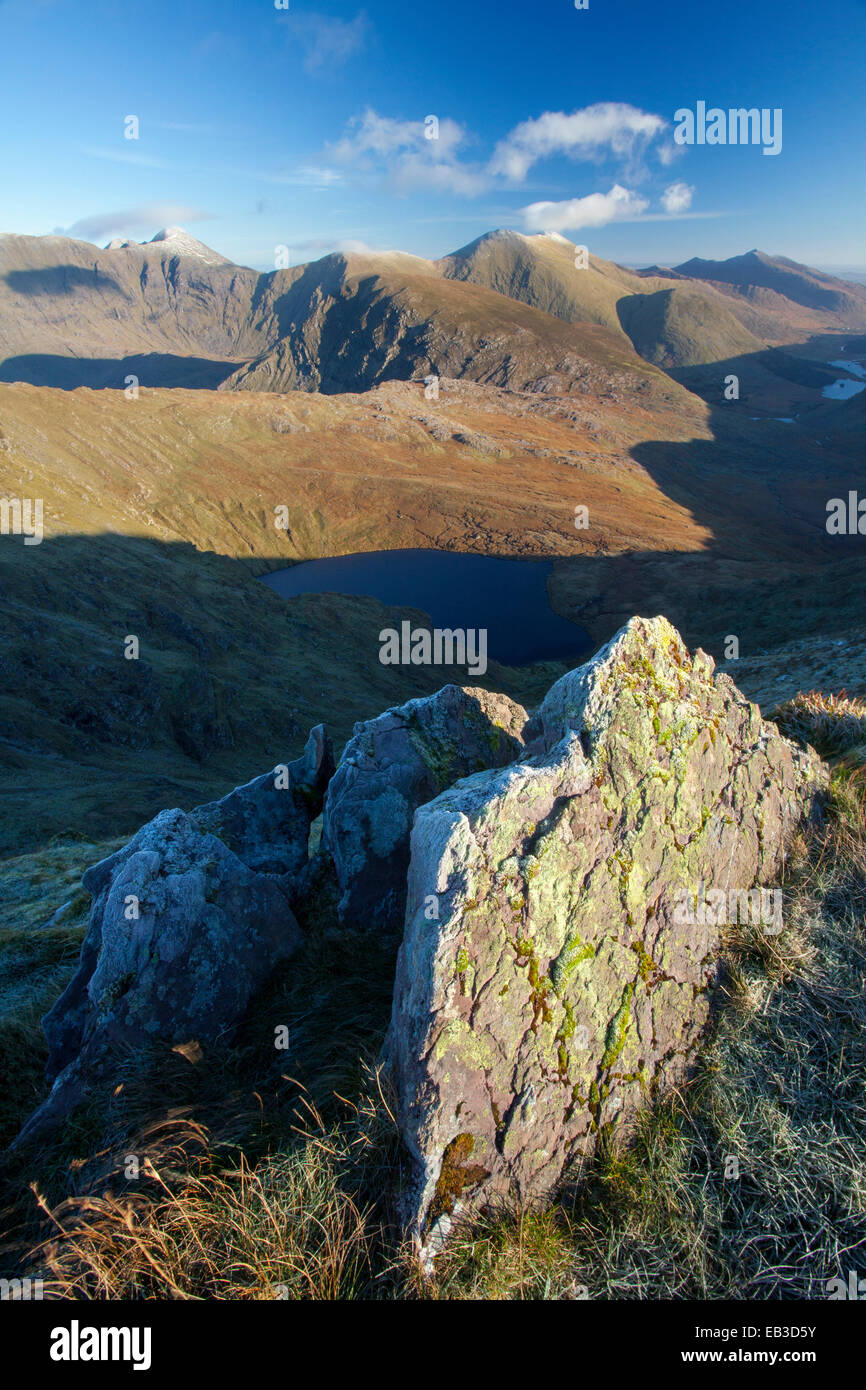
point(60, 279)
point(230, 677)
point(228, 681)
point(152, 369)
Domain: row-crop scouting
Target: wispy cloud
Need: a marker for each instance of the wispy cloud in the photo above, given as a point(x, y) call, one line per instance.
point(327, 43)
point(184, 127)
point(347, 245)
point(145, 217)
point(304, 176)
point(126, 156)
point(595, 210)
point(411, 155)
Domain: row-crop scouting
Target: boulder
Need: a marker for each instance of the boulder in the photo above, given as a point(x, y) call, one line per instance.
point(187, 922)
point(267, 821)
point(389, 768)
point(564, 918)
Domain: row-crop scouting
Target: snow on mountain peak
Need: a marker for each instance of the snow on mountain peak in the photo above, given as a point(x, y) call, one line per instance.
point(181, 241)
point(177, 240)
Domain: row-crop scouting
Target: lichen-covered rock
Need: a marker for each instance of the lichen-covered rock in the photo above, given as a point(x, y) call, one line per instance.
point(558, 949)
point(389, 768)
point(187, 922)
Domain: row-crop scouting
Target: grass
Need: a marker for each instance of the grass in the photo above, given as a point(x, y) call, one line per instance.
point(835, 724)
point(268, 1176)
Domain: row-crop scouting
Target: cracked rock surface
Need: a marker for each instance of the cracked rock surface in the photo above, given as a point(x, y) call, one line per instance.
point(557, 958)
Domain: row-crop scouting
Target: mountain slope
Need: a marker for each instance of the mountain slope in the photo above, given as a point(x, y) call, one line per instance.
point(508, 309)
point(61, 298)
point(359, 320)
point(540, 271)
point(159, 518)
point(681, 327)
point(799, 283)
point(779, 298)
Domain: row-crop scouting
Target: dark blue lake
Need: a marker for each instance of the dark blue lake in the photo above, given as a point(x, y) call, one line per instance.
point(507, 597)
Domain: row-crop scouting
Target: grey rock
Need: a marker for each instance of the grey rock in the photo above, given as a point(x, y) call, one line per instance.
point(267, 821)
point(390, 767)
point(187, 922)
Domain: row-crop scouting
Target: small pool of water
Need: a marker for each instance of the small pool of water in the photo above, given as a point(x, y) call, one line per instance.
point(853, 367)
point(843, 389)
point(507, 597)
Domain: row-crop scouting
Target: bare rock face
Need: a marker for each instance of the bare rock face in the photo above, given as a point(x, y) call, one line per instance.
point(267, 821)
point(390, 767)
point(564, 916)
point(187, 922)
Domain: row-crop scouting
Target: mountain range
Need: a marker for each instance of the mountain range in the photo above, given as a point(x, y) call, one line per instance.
point(508, 309)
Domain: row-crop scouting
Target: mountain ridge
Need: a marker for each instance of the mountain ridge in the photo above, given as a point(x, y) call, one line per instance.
point(72, 311)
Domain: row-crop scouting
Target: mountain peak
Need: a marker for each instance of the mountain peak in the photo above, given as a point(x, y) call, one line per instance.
point(178, 241)
point(171, 234)
point(182, 241)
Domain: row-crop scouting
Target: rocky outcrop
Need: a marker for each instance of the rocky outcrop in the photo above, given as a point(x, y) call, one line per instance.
point(390, 767)
point(564, 883)
point(267, 821)
point(564, 918)
point(187, 922)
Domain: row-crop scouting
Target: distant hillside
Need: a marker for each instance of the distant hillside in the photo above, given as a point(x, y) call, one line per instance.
point(160, 516)
point(508, 309)
point(357, 320)
point(781, 299)
point(681, 327)
point(67, 300)
point(798, 283)
point(540, 270)
point(668, 322)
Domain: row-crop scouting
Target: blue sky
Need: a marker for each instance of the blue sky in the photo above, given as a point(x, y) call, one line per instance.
point(304, 127)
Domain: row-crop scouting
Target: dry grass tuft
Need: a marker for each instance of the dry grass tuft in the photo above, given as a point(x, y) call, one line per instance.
point(306, 1222)
point(832, 724)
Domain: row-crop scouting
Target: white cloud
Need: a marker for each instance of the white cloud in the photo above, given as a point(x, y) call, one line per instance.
point(144, 217)
point(375, 134)
point(384, 136)
point(667, 152)
point(677, 197)
point(347, 245)
point(401, 153)
point(606, 128)
point(595, 210)
point(404, 152)
point(305, 176)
